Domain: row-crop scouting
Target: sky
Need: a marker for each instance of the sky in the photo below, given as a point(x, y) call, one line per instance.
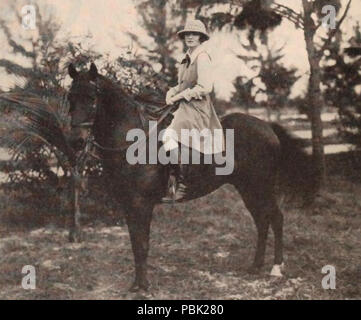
point(108, 21)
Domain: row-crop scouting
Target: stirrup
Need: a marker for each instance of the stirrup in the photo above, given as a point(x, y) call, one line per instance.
point(180, 193)
point(176, 192)
point(171, 190)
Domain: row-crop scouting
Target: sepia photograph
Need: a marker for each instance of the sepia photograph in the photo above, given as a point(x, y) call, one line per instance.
point(174, 150)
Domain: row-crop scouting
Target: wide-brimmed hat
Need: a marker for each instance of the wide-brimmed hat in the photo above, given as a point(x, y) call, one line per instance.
point(194, 26)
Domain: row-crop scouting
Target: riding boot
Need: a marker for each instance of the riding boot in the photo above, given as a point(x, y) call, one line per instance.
point(181, 187)
point(176, 184)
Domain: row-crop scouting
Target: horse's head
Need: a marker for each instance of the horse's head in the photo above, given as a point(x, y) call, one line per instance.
point(82, 99)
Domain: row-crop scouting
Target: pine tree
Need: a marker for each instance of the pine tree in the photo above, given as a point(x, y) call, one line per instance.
point(343, 78)
point(243, 96)
point(278, 81)
point(276, 78)
point(43, 76)
point(161, 19)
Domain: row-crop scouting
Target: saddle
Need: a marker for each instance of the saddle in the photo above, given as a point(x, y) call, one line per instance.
point(154, 110)
point(162, 114)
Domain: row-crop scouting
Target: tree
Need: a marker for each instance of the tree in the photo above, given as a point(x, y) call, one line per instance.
point(278, 81)
point(42, 77)
point(243, 96)
point(45, 54)
point(342, 77)
point(24, 131)
point(315, 55)
point(161, 19)
point(34, 117)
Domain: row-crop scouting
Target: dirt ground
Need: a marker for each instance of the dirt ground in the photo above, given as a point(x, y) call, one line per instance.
point(198, 250)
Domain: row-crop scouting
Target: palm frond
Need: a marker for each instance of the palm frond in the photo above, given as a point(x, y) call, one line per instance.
point(41, 119)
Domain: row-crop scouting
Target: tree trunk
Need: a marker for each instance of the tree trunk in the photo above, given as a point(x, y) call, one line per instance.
point(315, 104)
point(314, 96)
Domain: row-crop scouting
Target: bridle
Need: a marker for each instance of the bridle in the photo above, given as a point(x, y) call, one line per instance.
point(91, 146)
point(90, 142)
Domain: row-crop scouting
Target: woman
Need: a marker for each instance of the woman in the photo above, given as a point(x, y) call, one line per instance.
point(195, 109)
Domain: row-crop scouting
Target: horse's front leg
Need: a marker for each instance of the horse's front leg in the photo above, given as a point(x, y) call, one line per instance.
point(138, 217)
point(75, 233)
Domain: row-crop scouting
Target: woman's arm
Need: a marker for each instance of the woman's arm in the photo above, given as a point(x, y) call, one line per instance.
point(173, 90)
point(204, 84)
point(171, 93)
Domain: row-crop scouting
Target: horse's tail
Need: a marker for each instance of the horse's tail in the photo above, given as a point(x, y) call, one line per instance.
point(297, 172)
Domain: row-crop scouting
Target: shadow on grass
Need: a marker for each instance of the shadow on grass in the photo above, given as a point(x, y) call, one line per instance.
point(199, 250)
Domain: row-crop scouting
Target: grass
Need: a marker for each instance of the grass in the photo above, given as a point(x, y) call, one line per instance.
point(198, 250)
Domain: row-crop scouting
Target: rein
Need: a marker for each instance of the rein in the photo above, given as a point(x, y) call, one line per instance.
point(168, 109)
point(90, 143)
point(165, 110)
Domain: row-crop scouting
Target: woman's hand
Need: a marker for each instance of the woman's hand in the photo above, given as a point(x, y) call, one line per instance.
point(169, 96)
point(175, 98)
point(172, 100)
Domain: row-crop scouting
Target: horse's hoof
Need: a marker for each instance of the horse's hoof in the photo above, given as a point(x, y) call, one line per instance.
point(136, 287)
point(277, 270)
point(75, 236)
point(138, 295)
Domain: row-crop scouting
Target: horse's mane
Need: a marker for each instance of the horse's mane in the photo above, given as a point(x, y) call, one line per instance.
point(150, 98)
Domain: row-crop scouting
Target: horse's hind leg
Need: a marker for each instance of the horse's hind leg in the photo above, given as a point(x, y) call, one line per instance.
point(257, 207)
point(277, 227)
point(264, 209)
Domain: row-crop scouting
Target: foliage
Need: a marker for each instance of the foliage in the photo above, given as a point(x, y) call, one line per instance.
point(34, 127)
point(243, 96)
point(35, 119)
point(276, 78)
point(161, 20)
point(319, 4)
point(342, 78)
point(256, 14)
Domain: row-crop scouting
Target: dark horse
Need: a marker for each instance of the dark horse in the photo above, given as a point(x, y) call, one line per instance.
point(261, 153)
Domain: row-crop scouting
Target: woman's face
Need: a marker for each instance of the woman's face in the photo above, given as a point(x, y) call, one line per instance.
point(192, 39)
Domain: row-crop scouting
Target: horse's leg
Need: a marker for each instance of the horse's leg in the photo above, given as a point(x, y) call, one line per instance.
point(138, 217)
point(75, 234)
point(265, 211)
point(277, 227)
point(259, 211)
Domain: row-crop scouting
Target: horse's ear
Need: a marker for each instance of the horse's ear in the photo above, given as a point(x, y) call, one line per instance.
point(93, 72)
point(72, 71)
